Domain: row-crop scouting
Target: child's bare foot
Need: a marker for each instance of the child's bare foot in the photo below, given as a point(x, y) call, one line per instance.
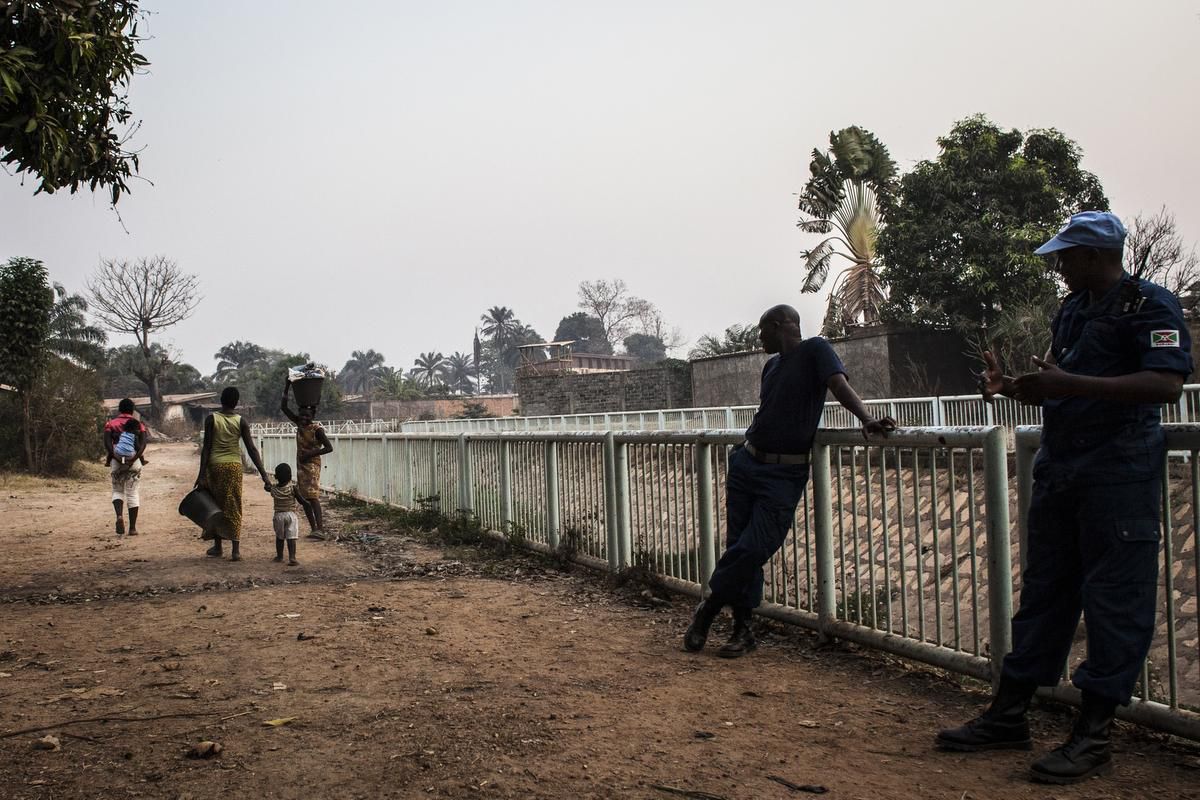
point(235, 557)
point(144, 461)
point(293, 563)
point(277, 559)
point(133, 531)
point(120, 526)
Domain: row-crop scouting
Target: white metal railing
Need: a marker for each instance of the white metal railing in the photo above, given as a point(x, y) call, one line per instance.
point(902, 545)
point(336, 426)
point(949, 411)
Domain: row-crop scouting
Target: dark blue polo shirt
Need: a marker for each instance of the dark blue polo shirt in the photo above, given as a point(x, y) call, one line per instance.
point(1135, 326)
point(792, 397)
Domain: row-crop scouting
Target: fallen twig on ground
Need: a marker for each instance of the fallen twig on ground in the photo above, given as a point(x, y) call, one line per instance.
point(811, 788)
point(10, 734)
point(692, 793)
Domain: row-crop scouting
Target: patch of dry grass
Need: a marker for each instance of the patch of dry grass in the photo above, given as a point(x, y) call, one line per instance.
point(80, 472)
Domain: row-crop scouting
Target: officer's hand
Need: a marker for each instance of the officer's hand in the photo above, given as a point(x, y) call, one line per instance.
point(1049, 381)
point(881, 427)
point(991, 380)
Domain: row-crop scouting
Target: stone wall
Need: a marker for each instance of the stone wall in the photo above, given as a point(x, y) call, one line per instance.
point(881, 362)
point(664, 386)
point(499, 405)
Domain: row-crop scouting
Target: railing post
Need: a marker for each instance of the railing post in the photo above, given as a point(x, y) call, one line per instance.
point(1000, 605)
point(704, 513)
point(466, 495)
point(612, 545)
point(823, 539)
point(662, 421)
point(621, 487)
point(433, 468)
point(389, 496)
point(1024, 464)
point(506, 515)
point(406, 473)
point(552, 507)
point(939, 412)
point(729, 417)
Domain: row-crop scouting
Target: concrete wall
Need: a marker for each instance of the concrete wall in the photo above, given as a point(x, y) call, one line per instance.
point(730, 380)
point(667, 386)
point(881, 362)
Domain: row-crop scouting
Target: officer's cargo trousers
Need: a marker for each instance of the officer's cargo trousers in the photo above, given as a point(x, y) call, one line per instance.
point(1092, 549)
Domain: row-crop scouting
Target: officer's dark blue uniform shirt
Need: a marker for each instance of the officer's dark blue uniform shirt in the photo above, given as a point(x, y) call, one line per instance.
point(1135, 326)
point(792, 397)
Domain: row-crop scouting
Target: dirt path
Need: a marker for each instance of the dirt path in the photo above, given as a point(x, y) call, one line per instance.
point(420, 675)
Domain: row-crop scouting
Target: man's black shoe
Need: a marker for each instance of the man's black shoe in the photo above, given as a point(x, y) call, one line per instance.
point(983, 733)
point(1002, 727)
point(741, 641)
point(1086, 752)
point(702, 620)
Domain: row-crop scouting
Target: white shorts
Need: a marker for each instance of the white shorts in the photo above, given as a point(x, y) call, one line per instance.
point(287, 525)
point(125, 479)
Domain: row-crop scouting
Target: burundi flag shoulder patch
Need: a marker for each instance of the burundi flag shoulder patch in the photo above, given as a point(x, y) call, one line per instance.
point(1164, 338)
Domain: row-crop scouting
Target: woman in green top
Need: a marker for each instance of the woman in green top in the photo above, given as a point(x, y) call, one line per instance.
point(221, 469)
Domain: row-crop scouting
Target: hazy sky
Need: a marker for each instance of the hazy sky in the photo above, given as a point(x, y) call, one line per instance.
point(359, 175)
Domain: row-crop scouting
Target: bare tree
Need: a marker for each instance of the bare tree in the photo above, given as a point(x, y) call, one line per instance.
point(139, 298)
point(612, 304)
point(652, 323)
point(1154, 250)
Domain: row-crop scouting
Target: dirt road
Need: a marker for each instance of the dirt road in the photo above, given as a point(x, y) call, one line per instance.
point(404, 671)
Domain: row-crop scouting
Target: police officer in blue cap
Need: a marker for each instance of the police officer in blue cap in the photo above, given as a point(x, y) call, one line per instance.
point(1120, 349)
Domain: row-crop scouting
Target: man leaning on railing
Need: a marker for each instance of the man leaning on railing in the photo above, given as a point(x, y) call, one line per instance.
point(1120, 349)
point(767, 474)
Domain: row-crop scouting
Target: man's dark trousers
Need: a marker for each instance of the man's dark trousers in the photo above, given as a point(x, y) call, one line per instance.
point(1092, 549)
point(760, 505)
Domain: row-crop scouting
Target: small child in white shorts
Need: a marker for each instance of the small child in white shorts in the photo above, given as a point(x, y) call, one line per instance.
point(287, 524)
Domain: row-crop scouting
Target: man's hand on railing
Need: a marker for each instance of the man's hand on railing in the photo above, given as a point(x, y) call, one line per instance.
point(878, 427)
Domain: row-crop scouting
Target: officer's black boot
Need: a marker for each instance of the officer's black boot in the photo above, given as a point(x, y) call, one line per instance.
point(702, 620)
point(741, 641)
point(1002, 727)
point(1086, 752)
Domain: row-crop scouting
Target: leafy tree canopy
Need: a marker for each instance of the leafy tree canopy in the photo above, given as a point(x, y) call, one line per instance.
point(645, 347)
point(65, 67)
point(961, 237)
point(127, 373)
point(736, 339)
point(26, 305)
point(587, 331)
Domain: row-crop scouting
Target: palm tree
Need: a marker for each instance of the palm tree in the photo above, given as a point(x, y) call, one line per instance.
point(458, 372)
point(70, 336)
point(737, 339)
point(428, 369)
point(361, 371)
point(851, 187)
point(236, 356)
point(392, 384)
point(501, 325)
